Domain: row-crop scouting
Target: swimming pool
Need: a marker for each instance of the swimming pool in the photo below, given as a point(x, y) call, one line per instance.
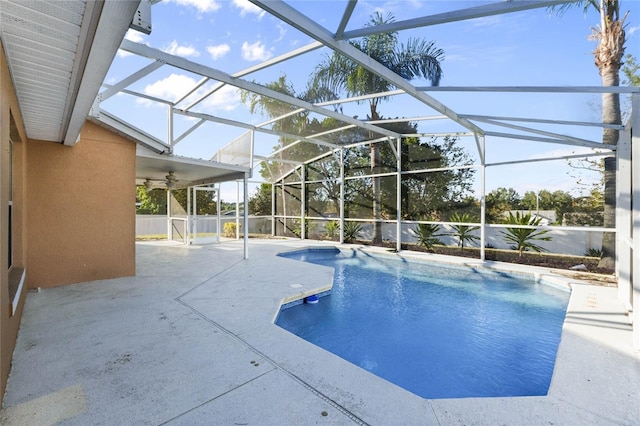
point(435, 330)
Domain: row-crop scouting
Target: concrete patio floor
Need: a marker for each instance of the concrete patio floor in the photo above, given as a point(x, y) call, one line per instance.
point(190, 340)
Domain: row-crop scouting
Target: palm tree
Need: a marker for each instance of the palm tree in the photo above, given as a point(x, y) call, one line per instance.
point(464, 233)
point(428, 234)
point(610, 36)
point(337, 74)
point(522, 238)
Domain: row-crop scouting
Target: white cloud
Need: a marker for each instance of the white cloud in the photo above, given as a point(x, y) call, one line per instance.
point(185, 51)
point(133, 35)
point(632, 30)
point(282, 31)
point(218, 51)
point(556, 153)
point(203, 6)
point(246, 7)
point(255, 52)
point(176, 85)
point(171, 88)
point(225, 99)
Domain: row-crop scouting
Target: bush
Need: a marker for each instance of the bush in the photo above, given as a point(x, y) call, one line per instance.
point(351, 231)
point(428, 235)
point(464, 233)
point(522, 238)
point(594, 252)
point(229, 230)
point(332, 228)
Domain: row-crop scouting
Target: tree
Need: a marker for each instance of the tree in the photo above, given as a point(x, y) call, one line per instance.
point(260, 201)
point(560, 201)
point(428, 196)
point(631, 70)
point(151, 202)
point(499, 201)
point(155, 201)
point(610, 36)
point(337, 74)
point(523, 238)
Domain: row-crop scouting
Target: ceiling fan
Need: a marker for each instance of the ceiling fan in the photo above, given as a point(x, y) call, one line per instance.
point(171, 181)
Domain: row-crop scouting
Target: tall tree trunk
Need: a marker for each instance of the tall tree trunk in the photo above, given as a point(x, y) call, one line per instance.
point(608, 58)
point(610, 115)
point(377, 202)
point(377, 193)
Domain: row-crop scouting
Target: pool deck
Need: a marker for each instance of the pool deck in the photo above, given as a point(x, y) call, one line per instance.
point(191, 340)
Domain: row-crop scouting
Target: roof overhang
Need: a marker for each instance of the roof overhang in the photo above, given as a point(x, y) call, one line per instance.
point(188, 171)
point(58, 55)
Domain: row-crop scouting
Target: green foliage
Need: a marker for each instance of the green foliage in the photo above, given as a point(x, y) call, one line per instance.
point(416, 58)
point(351, 231)
point(151, 202)
point(205, 202)
point(428, 235)
point(523, 238)
point(260, 201)
point(501, 200)
point(229, 230)
point(308, 227)
point(631, 71)
point(559, 201)
point(332, 228)
point(464, 233)
point(594, 252)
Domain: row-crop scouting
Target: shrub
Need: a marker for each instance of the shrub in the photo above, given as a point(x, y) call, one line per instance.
point(465, 233)
point(332, 228)
point(428, 235)
point(351, 231)
point(594, 252)
point(229, 230)
point(522, 238)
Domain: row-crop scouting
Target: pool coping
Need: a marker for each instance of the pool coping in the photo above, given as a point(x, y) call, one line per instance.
point(582, 319)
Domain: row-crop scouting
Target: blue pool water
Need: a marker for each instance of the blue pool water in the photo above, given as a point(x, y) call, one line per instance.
point(439, 332)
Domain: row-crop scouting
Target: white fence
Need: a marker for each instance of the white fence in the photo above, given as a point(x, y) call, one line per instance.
point(572, 242)
point(157, 224)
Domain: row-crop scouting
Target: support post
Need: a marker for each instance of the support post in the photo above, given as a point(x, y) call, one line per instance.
point(238, 210)
point(341, 195)
point(190, 216)
point(246, 216)
point(624, 249)
point(483, 204)
point(169, 215)
point(170, 128)
point(303, 202)
point(635, 202)
point(273, 209)
point(399, 194)
point(218, 221)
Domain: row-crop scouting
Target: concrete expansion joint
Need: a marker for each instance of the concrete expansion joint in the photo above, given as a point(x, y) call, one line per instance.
point(206, 280)
point(583, 408)
point(276, 366)
point(214, 398)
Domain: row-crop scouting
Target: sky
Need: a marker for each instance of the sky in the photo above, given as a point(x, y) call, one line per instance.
point(530, 48)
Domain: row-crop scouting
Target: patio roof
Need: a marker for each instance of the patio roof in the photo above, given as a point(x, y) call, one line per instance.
point(58, 55)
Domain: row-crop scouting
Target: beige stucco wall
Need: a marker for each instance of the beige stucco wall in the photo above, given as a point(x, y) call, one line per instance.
point(9, 323)
point(80, 209)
